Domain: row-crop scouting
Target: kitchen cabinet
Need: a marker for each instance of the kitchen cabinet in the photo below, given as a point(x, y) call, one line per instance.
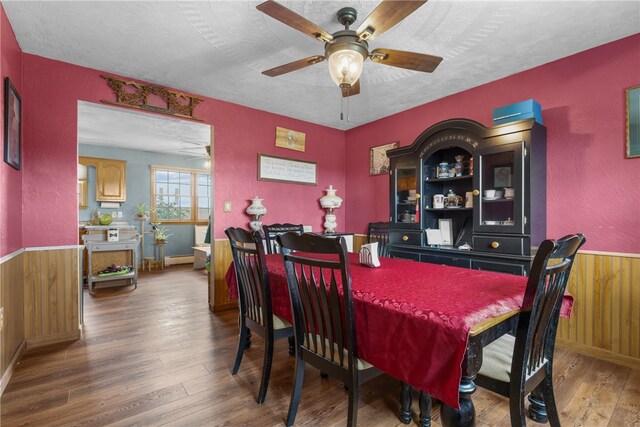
point(490, 187)
point(111, 180)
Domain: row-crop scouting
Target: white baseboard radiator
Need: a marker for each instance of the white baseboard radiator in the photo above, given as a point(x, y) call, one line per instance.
point(178, 259)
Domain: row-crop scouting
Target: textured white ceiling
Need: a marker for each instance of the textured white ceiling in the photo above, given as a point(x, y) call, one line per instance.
point(103, 125)
point(219, 48)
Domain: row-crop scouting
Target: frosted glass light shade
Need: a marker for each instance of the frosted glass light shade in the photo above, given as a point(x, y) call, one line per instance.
point(345, 66)
point(256, 208)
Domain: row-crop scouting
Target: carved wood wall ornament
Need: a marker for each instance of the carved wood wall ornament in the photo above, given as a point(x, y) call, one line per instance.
point(133, 94)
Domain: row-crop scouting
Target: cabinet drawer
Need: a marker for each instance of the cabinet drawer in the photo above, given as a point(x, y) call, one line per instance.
point(405, 238)
point(500, 244)
point(112, 247)
point(446, 260)
point(393, 253)
point(519, 269)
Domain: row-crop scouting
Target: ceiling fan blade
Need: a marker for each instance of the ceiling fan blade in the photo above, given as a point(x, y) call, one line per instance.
point(292, 19)
point(353, 90)
point(293, 66)
point(386, 15)
point(408, 60)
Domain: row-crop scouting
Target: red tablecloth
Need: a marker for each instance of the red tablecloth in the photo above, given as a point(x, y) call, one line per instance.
point(413, 319)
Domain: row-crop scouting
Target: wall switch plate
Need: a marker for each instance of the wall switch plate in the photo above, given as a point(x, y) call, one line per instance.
point(114, 214)
point(1, 318)
point(227, 206)
point(119, 214)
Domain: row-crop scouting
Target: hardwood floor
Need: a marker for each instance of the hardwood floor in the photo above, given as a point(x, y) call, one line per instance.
point(157, 356)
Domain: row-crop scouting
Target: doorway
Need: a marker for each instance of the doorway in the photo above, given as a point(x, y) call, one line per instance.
point(166, 170)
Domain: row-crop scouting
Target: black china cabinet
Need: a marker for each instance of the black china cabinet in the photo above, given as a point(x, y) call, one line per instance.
point(470, 196)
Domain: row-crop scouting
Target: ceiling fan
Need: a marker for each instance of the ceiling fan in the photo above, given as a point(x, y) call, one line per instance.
point(347, 49)
point(202, 156)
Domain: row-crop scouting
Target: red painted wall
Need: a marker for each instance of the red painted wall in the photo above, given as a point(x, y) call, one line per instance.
point(51, 92)
point(591, 187)
point(10, 178)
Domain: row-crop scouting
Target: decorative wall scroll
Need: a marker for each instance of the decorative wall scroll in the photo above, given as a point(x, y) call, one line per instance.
point(290, 139)
point(137, 95)
point(280, 169)
point(378, 160)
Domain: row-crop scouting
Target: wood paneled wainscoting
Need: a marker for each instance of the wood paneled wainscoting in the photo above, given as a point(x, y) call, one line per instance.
point(51, 301)
point(12, 340)
point(605, 322)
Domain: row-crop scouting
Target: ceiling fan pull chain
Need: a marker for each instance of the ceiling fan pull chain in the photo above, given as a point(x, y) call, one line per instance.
point(341, 108)
point(348, 97)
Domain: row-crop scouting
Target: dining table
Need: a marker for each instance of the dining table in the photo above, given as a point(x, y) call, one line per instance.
point(424, 324)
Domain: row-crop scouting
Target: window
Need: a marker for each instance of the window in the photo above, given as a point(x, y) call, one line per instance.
point(180, 195)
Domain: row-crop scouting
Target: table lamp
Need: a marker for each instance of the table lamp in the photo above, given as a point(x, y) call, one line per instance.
point(256, 209)
point(330, 202)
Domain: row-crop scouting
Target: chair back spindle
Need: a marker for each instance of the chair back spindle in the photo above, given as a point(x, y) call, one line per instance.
point(379, 232)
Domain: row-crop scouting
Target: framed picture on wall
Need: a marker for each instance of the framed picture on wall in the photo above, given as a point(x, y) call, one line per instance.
point(12, 124)
point(633, 122)
point(287, 138)
point(378, 160)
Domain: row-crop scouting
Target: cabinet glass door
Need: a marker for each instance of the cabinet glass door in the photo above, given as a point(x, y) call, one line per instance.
point(406, 196)
point(499, 180)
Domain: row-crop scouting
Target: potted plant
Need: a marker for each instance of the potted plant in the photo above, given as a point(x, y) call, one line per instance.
point(142, 211)
point(161, 235)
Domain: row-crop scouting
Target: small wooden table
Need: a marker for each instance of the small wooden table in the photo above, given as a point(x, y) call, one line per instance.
point(98, 243)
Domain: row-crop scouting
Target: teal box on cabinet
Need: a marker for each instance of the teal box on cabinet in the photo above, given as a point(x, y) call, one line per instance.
point(519, 111)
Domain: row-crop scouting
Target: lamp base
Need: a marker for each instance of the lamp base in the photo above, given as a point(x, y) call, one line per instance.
point(330, 223)
point(256, 225)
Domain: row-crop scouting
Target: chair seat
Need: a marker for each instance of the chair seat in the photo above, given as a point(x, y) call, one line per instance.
point(496, 358)
point(280, 323)
point(361, 364)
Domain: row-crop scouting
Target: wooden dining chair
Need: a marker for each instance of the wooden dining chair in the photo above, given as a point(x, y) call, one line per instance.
point(273, 230)
point(379, 232)
point(254, 294)
point(319, 281)
point(516, 366)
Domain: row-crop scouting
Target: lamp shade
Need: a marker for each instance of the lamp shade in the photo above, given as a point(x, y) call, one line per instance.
point(256, 208)
point(330, 200)
point(345, 66)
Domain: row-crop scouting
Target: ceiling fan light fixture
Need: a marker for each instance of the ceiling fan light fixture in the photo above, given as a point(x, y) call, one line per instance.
point(346, 62)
